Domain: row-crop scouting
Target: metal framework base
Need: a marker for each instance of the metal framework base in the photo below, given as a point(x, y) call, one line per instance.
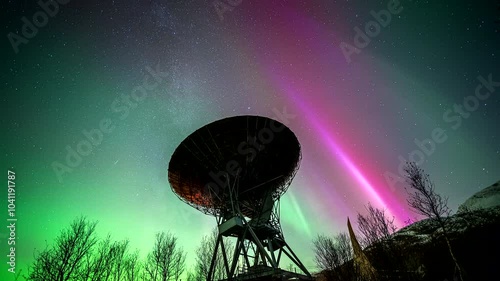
point(259, 247)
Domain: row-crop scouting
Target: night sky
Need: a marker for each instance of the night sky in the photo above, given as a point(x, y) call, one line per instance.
point(134, 78)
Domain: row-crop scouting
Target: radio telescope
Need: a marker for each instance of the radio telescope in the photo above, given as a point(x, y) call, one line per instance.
point(236, 169)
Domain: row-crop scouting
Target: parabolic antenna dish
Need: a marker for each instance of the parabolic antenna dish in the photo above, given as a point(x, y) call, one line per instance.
point(253, 156)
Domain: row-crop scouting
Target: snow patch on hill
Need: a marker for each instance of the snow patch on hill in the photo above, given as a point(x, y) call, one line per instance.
point(484, 199)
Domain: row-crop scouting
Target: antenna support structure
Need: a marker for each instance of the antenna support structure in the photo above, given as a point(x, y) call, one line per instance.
point(236, 169)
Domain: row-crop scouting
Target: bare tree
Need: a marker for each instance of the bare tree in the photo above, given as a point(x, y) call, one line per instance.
point(326, 255)
point(78, 255)
point(375, 226)
point(204, 255)
point(132, 267)
point(97, 263)
point(106, 262)
point(65, 260)
point(344, 247)
point(376, 230)
point(334, 256)
point(166, 261)
point(120, 255)
point(424, 199)
point(422, 195)
point(179, 264)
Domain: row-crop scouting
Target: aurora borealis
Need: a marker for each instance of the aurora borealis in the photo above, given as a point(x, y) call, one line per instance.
point(148, 73)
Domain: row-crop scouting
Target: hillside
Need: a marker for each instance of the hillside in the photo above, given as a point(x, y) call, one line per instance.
point(484, 199)
point(473, 232)
point(419, 251)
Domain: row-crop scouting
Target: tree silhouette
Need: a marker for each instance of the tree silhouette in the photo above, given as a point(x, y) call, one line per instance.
point(166, 261)
point(132, 267)
point(334, 256)
point(65, 261)
point(204, 255)
point(375, 226)
point(106, 262)
point(78, 255)
point(424, 200)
